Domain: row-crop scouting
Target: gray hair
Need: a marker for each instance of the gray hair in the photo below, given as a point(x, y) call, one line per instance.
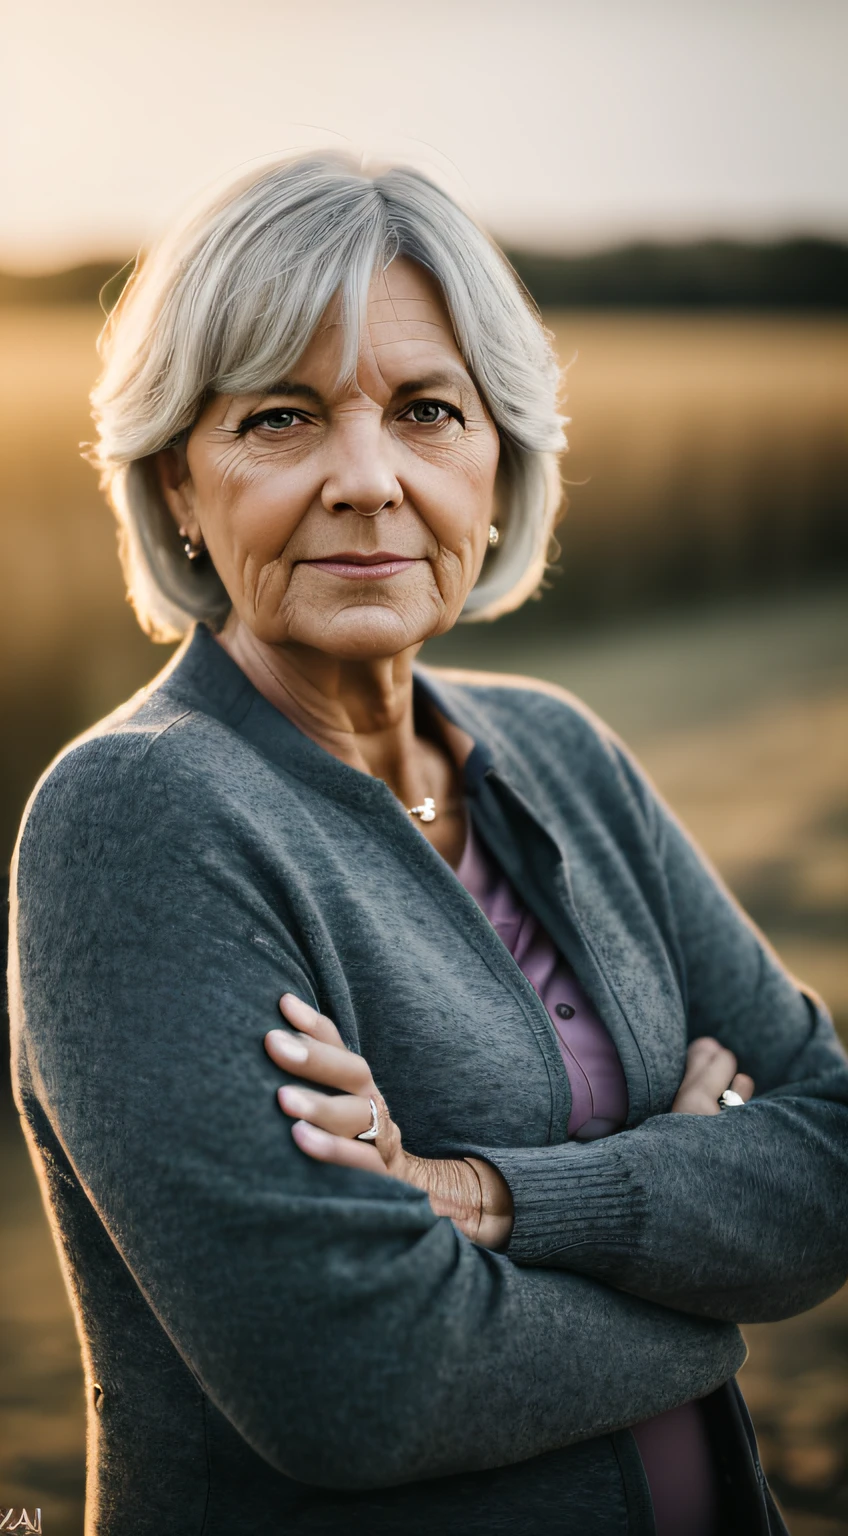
point(227, 302)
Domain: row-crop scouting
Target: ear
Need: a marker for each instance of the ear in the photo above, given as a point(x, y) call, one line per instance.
point(177, 487)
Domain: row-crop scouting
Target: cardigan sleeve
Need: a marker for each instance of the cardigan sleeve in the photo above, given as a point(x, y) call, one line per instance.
point(353, 1338)
point(741, 1215)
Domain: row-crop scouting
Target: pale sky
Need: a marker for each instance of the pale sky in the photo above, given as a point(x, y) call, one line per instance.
point(563, 124)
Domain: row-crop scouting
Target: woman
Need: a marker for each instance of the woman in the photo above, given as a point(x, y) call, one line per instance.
point(424, 1286)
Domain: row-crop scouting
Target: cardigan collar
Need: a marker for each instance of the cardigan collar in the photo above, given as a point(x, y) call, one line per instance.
point(204, 674)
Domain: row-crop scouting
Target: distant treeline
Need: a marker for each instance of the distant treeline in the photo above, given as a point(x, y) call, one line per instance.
point(798, 274)
point(802, 274)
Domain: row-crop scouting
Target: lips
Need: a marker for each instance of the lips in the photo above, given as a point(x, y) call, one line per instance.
point(355, 566)
point(352, 557)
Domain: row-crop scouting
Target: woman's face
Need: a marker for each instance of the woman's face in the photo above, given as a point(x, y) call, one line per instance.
point(403, 463)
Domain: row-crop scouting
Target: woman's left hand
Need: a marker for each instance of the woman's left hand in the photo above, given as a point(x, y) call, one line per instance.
point(468, 1190)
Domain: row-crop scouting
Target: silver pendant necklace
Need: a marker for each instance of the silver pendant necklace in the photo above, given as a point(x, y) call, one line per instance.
point(427, 811)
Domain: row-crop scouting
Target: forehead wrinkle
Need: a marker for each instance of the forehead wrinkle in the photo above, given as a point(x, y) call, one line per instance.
point(406, 309)
point(379, 282)
point(403, 317)
point(390, 332)
point(368, 355)
point(426, 366)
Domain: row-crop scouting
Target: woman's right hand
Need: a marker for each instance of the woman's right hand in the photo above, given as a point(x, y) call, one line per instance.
point(710, 1068)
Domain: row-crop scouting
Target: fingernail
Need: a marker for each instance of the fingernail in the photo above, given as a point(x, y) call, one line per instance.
point(295, 1100)
point(311, 1135)
point(293, 1050)
point(297, 1007)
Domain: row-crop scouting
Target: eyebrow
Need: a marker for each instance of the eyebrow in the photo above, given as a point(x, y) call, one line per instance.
point(433, 381)
point(288, 387)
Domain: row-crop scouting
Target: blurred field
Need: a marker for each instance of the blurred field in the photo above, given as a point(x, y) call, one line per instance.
point(715, 449)
point(700, 609)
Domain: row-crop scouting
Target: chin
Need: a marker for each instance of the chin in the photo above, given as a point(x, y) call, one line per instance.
point(360, 633)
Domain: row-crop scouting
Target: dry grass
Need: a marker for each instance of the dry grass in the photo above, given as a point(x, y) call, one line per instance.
point(714, 447)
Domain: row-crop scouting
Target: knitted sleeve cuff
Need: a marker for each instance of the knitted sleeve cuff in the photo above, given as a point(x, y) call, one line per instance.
point(577, 1200)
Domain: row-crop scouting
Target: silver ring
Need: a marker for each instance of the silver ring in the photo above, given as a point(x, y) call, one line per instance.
point(730, 1098)
point(371, 1133)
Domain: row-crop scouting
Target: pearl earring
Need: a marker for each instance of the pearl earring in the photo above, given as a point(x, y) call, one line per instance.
point(194, 551)
point(494, 534)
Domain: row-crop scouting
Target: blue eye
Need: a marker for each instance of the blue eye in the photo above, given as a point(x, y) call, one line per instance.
point(433, 413)
point(279, 418)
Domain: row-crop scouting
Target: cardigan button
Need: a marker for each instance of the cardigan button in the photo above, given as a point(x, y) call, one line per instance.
point(98, 1397)
point(565, 1010)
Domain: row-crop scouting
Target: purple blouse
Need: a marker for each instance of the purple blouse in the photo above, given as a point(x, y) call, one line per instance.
point(673, 1446)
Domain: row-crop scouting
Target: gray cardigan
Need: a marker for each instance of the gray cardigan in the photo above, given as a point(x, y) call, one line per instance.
point(275, 1345)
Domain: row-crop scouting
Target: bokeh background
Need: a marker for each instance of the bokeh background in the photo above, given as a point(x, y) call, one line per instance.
point(669, 180)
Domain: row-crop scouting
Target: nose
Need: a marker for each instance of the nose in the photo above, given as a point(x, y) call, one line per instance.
point(361, 477)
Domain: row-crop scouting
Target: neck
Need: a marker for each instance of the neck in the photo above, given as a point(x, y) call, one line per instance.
point(359, 709)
